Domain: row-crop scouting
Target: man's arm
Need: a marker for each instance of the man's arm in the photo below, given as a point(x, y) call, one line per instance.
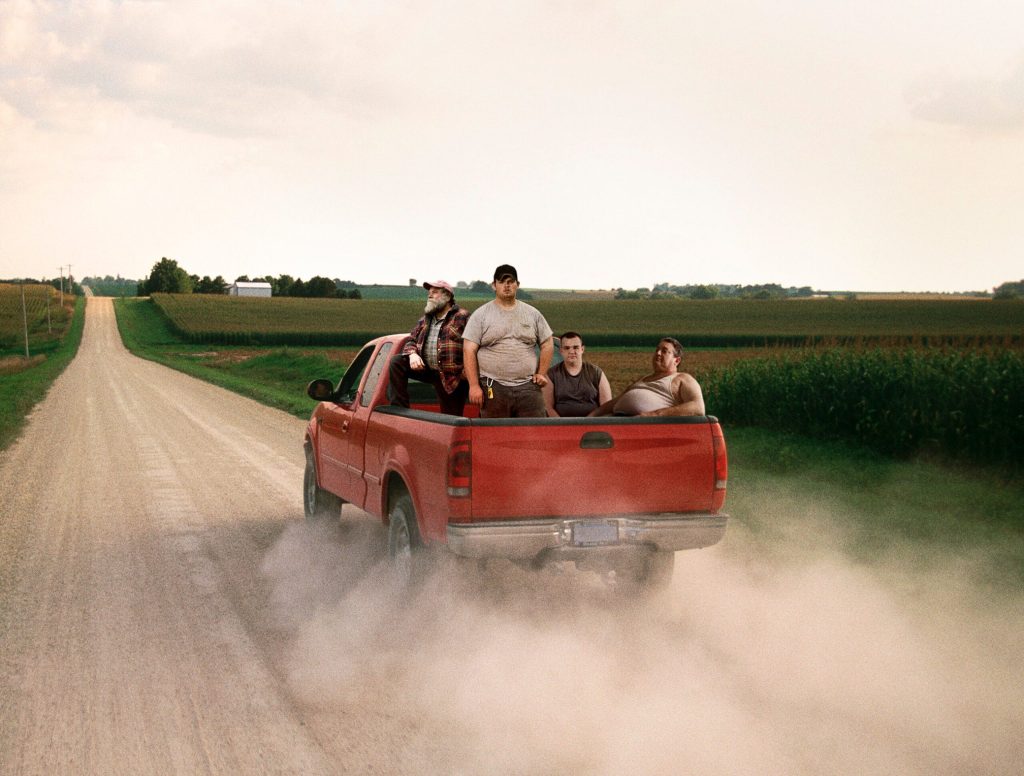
point(469, 366)
point(547, 351)
point(548, 391)
point(689, 398)
point(604, 389)
point(413, 345)
point(604, 409)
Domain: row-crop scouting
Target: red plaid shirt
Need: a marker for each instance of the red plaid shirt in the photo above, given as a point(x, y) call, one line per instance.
point(449, 345)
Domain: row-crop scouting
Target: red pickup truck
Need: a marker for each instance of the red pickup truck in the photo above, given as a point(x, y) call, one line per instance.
point(618, 494)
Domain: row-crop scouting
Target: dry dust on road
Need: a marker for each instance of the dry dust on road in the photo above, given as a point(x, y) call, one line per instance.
point(164, 609)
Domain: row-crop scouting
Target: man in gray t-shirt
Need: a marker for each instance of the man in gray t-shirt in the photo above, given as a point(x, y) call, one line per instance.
point(505, 376)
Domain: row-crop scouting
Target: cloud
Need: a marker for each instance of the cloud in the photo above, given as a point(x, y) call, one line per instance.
point(224, 70)
point(977, 103)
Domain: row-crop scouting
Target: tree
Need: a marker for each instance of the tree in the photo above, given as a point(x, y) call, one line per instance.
point(166, 276)
point(283, 285)
point(205, 285)
point(704, 292)
point(1009, 290)
point(321, 287)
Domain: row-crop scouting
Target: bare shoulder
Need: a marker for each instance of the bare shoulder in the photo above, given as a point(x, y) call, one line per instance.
point(686, 384)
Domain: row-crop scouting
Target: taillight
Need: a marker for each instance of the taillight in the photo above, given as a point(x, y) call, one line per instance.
point(460, 469)
point(721, 466)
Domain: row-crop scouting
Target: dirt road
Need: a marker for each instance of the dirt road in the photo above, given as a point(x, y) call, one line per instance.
point(136, 512)
point(165, 610)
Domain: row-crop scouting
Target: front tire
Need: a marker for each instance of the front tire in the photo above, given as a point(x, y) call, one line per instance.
point(317, 504)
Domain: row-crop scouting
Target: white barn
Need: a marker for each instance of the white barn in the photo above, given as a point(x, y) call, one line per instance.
point(249, 288)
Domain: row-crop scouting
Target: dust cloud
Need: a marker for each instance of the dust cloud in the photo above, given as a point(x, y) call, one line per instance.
point(797, 661)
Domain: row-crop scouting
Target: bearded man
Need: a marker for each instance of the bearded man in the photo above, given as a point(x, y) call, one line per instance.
point(434, 352)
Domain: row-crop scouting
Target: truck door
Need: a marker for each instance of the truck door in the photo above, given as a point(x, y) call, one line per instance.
point(345, 426)
point(341, 460)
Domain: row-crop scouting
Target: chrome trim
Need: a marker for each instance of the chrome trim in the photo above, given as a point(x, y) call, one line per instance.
point(525, 539)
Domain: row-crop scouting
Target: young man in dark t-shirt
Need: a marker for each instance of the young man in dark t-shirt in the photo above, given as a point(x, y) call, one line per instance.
point(575, 387)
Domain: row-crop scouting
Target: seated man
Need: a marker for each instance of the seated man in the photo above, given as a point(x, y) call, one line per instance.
point(575, 387)
point(666, 391)
point(434, 355)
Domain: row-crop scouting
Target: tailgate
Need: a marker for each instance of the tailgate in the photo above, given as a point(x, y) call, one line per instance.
point(592, 466)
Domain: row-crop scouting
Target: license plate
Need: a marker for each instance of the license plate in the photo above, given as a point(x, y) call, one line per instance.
point(587, 534)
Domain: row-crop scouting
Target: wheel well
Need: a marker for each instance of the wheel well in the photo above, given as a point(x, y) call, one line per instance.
point(394, 488)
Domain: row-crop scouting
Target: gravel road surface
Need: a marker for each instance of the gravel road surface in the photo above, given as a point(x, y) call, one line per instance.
point(137, 509)
point(164, 609)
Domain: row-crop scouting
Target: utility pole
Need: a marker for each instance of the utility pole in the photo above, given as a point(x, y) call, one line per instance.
point(24, 318)
point(49, 328)
point(61, 268)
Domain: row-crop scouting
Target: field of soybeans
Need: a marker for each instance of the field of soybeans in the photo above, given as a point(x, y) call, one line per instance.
point(902, 377)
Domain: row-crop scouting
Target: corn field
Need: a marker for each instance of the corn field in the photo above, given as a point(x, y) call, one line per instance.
point(965, 404)
point(46, 319)
point(208, 318)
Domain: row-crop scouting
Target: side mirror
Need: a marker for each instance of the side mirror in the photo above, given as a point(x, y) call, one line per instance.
point(320, 390)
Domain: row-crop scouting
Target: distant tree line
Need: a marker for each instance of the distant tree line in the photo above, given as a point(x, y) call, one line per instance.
point(111, 286)
point(167, 277)
point(70, 285)
point(316, 286)
point(717, 291)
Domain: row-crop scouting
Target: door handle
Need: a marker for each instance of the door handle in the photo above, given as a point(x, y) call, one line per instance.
point(597, 440)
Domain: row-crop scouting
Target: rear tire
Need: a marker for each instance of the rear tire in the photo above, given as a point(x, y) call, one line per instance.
point(404, 546)
point(318, 505)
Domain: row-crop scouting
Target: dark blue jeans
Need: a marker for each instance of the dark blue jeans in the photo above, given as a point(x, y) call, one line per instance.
point(398, 390)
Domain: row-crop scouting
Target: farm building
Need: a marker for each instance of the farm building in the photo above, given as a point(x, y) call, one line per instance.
point(253, 288)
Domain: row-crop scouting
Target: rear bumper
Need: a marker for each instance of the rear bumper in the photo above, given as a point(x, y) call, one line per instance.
point(526, 539)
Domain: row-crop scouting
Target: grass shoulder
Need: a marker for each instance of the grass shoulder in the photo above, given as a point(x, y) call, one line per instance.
point(275, 377)
point(786, 490)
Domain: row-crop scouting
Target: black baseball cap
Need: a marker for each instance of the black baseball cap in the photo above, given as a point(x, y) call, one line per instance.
point(506, 270)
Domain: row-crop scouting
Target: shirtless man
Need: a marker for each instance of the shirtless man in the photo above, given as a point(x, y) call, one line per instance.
point(666, 391)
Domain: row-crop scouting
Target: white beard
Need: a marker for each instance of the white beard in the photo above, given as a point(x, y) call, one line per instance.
point(434, 304)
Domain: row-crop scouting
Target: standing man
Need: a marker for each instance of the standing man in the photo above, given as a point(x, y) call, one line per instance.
point(505, 378)
point(434, 355)
point(666, 391)
point(575, 387)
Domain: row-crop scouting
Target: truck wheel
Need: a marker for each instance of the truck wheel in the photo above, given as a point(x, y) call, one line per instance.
point(317, 503)
point(653, 570)
point(404, 546)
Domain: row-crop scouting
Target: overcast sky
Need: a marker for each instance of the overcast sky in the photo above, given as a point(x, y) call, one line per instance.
point(841, 145)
